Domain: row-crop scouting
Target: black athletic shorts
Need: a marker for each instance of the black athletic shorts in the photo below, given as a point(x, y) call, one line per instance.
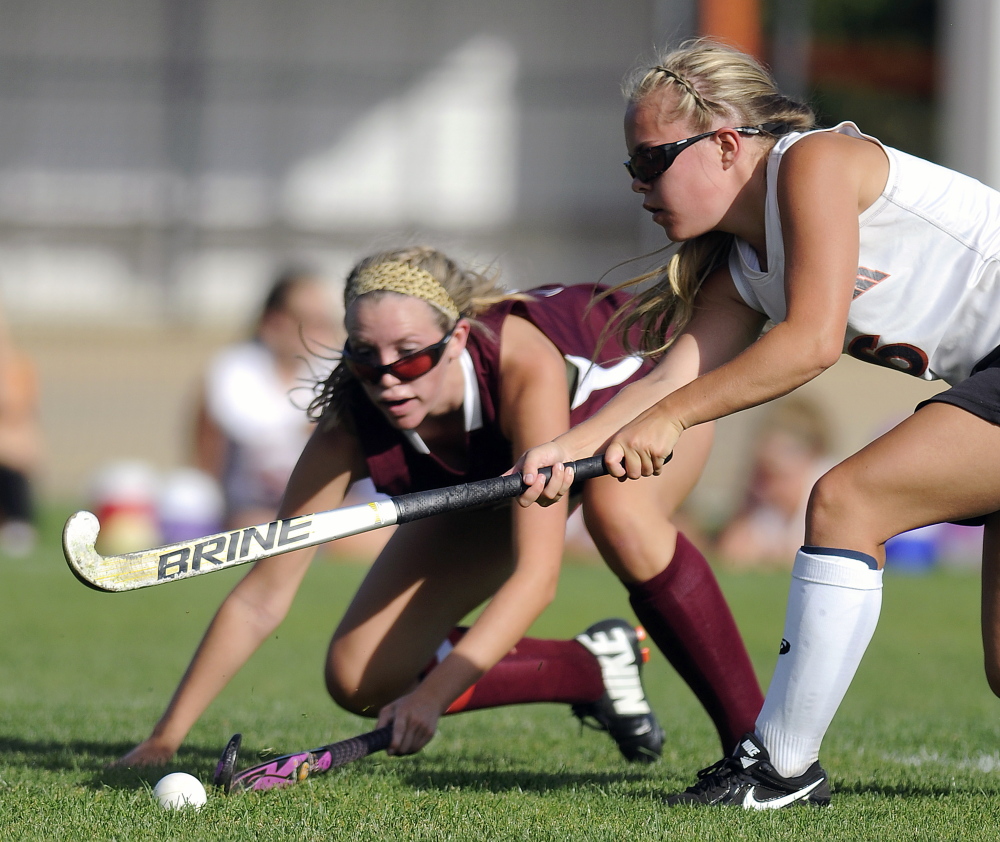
point(980, 395)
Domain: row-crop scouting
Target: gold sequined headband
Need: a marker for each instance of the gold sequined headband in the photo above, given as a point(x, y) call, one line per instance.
point(394, 276)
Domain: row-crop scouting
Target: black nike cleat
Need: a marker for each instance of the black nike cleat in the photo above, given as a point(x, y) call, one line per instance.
point(623, 711)
point(747, 779)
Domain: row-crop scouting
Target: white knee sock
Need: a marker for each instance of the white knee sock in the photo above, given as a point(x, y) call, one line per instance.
point(833, 608)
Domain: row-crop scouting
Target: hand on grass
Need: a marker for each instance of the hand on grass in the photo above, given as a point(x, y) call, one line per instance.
point(151, 752)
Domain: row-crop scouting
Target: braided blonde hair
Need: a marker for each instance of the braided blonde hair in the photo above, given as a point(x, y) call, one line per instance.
point(453, 292)
point(710, 81)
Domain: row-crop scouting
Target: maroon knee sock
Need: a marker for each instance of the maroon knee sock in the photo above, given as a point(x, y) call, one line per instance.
point(684, 612)
point(533, 671)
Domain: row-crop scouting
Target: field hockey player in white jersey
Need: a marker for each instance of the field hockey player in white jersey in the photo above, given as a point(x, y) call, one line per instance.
point(847, 246)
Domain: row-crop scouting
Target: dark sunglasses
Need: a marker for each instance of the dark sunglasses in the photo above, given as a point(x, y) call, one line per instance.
point(405, 368)
point(653, 161)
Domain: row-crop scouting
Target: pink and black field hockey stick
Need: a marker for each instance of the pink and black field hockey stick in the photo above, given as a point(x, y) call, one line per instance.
point(293, 768)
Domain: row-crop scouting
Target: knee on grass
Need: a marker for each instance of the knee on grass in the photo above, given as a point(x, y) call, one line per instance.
point(351, 691)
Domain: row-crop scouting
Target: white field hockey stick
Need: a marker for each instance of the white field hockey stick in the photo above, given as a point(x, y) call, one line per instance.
point(185, 559)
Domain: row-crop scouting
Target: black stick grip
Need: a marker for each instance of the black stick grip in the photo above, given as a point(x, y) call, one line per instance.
point(347, 751)
point(420, 504)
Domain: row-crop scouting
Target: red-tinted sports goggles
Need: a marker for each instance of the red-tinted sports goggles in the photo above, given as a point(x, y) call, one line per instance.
point(404, 369)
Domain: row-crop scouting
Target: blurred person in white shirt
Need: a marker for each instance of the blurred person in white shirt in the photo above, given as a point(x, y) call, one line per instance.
point(251, 423)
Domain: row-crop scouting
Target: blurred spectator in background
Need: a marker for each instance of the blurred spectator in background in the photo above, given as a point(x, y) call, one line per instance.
point(249, 428)
point(20, 446)
point(792, 451)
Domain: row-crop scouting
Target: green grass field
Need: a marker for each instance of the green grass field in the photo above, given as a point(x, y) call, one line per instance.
point(913, 754)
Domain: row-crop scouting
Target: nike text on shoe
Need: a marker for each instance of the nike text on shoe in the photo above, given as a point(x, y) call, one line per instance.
point(747, 779)
point(623, 711)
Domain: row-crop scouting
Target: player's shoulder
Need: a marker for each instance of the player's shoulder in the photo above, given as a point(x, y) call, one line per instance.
point(832, 151)
point(525, 348)
point(824, 164)
point(521, 336)
point(823, 149)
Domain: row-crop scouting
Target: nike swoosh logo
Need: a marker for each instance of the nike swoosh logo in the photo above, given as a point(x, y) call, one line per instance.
point(751, 803)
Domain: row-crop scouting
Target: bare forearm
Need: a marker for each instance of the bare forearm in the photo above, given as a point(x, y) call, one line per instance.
point(496, 631)
point(588, 438)
point(233, 636)
point(539, 537)
point(778, 363)
point(684, 362)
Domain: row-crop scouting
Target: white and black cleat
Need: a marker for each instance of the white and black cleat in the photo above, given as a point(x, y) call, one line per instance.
point(623, 711)
point(747, 779)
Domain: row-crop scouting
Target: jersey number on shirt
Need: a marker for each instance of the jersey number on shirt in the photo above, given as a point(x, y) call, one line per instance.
point(906, 358)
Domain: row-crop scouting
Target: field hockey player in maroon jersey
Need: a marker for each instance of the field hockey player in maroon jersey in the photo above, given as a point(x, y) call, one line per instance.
point(444, 378)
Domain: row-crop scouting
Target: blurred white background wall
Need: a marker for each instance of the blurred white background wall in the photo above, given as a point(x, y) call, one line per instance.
point(159, 159)
point(970, 87)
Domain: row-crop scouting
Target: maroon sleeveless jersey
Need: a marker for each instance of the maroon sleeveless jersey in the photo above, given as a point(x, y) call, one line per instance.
point(562, 314)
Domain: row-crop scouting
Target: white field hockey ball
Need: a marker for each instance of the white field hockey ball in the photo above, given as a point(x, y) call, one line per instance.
point(178, 790)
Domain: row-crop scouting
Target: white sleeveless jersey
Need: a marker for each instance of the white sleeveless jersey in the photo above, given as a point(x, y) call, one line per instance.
point(927, 293)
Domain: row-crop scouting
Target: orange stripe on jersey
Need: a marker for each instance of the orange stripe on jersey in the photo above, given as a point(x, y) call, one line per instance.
point(866, 279)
